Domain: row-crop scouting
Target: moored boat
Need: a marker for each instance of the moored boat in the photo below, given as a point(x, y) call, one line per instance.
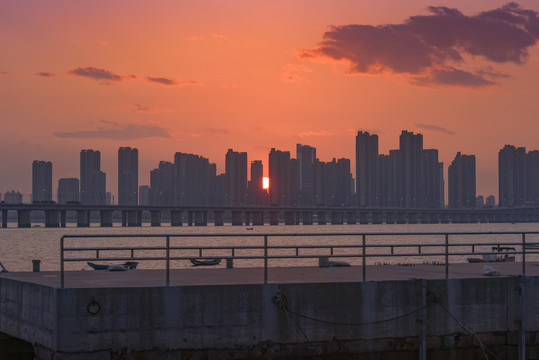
point(205, 262)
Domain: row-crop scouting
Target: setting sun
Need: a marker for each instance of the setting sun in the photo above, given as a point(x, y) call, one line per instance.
point(265, 183)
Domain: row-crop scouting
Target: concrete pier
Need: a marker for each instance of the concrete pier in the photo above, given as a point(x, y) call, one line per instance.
point(237, 218)
point(219, 218)
point(321, 217)
point(155, 218)
point(274, 217)
point(105, 218)
point(4, 218)
point(110, 315)
point(83, 218)
point(258, 218)
point(52, 218)
point(289, 218)
point(307, 218)
point(23, 218)
point(176, 218)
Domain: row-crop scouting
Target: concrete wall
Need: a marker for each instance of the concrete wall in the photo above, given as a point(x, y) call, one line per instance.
point(246, 319)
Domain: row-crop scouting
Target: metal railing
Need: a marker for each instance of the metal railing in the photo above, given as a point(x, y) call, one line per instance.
point(267, 252)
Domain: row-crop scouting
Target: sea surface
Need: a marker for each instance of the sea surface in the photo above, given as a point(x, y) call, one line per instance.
point(18, 247)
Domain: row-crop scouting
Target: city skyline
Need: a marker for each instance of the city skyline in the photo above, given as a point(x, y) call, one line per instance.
point(407, 177)
point(201, 78)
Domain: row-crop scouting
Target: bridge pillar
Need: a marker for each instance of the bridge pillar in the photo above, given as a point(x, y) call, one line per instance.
point(444, 218)
point(434, 218)
point(390, 218)
point(247, 218)
point(258, 218)
point(4, 218)
point(351, 217)
point(124, 218)
point(51, 218)
point(483, 218)
point(274, 217)
point(336, 218)
point(155, 217)
point(218, 216)
point(363, 218)
point(237, 218)
point(307, 218)
point(201, 218)
point(297, 217)
point(472, 218)
point(105, 218)
point(289, 218)
point(139, 218)
point(412, 218)
point(321, 217)
point(83, 218)
point(63, 218)
point(176, 217)
point(23, 218)
point(401, 217)
point(189, 218)
point(376, 217)
point(132, 218)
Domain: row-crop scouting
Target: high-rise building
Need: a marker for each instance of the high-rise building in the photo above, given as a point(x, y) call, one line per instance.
point(279, 174)
point(162, 184)
point(532, 178)
point(236, 177)
point(462, 182)
point(68, 190)
point(41, 181)
point(512, 176)
point(194, 177)
point(92, 180)
point(339, 183)
point(127, 176)
point(409, 171)
point(306, 156)
point(366, 169)
point(13, 197)
point(432, 180)
point(255, 193)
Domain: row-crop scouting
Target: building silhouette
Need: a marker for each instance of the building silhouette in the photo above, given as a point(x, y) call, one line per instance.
point(339, 183)
point(306, 156)
point(193, 180)
point(127, 176)
point(256, 195)
point(512, 176)
point(162, 184)
point(462, 182)
point(367, 170)
point(13, 197)
point(532, 177)
point(284, 178)
point(92, 180)
point(236, 177)
point(68, 190)
point(144, 195)
point(41, 181)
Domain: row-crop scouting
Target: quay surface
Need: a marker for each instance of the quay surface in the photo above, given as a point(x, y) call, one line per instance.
point(280, 275)
point(400, 312)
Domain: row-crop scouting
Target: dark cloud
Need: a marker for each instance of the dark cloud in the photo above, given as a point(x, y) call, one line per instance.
point(114, 131)
point(432, 49)
point(172, 82)
point(45, 74)
point(435, 128)
point(96, 74)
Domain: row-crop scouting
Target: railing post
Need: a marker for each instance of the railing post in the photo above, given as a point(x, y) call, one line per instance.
point(522, 318)
point(62, 261)
point(523, 254)
point(446, 256)
point(423, 322)
point(364, 258)
point(265, 259)
point(168, 261)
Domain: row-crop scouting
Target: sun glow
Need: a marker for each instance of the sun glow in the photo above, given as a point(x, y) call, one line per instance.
point(265, 183)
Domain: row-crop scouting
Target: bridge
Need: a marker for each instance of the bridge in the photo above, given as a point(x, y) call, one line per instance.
point(55, 215)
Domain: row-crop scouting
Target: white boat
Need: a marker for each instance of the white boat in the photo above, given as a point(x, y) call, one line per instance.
point(499, 254)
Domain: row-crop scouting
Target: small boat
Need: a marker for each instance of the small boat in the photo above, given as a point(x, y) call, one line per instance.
point(129, 265)
point(205, 262)
point(500, 254)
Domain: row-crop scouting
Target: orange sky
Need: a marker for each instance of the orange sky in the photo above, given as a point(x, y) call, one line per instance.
point(205, 76)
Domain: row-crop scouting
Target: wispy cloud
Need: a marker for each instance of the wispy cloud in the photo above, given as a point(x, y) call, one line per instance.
point(220, 37)
point(192, 38)
point(435, 128)
point(94, 73)
point(140, 108)
point(3, 73)
point(293, 73)
point(172, 82)
point(317, 133)
point(435, 49)
point(45, 74)
point(115, 131)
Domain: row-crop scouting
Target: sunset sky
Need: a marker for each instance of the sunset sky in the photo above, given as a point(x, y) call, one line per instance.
point(204, 76)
